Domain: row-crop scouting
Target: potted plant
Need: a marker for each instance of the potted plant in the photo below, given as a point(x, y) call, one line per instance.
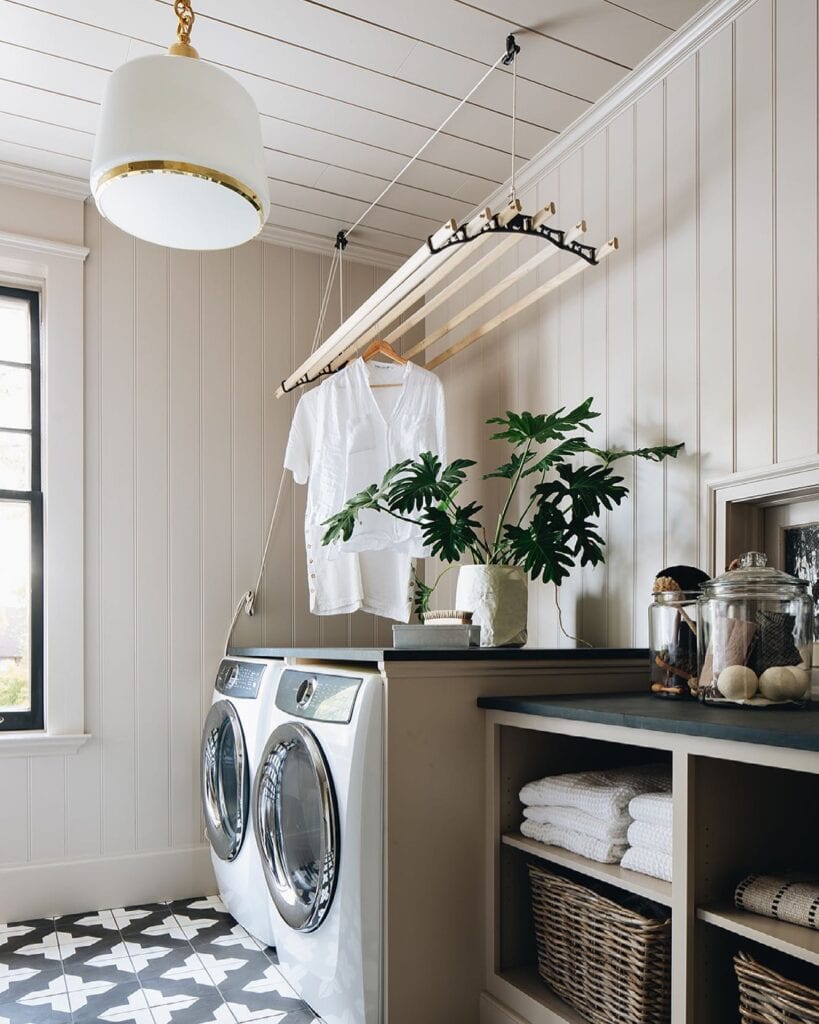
point(556, 527)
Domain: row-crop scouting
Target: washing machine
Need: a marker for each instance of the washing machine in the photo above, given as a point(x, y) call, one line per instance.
point(318, 817)
point(232, 739)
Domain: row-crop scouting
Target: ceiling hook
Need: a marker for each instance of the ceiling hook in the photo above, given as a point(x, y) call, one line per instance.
point(512, 49)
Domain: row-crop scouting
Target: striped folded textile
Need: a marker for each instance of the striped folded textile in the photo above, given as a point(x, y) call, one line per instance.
point(785, 899)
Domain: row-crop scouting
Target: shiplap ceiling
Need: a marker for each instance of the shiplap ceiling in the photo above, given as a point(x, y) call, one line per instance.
point(347, 89)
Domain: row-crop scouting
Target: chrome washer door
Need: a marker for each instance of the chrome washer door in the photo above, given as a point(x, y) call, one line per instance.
point(296, 818)
point(225, 780)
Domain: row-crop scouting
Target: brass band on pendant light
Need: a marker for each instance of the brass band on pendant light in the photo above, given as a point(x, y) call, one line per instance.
point(178, 159)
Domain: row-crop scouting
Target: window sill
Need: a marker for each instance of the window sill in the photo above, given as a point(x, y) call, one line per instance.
point(32, 744)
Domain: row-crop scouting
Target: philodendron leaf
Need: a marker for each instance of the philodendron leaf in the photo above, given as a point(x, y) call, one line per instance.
point(341, 525)
point(450, 534)
point(542, 548)
point(587, 542)
point(524, 427)
point(591, 488)
point(654, 454)
point(424, 482)
point(558, 454)
point(510, 469)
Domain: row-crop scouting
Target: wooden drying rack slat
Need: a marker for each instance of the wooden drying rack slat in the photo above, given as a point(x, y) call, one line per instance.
point(430, 265)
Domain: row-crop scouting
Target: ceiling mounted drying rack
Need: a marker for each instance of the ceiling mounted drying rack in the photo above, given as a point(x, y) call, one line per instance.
point(444, 251)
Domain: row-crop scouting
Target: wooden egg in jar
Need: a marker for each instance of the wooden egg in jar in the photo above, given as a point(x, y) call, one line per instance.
point(755, 642)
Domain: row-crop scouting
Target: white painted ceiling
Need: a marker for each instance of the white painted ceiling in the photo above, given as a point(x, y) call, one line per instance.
point(347, 90)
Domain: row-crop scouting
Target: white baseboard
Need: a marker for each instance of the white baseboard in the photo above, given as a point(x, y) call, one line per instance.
point(69, 887)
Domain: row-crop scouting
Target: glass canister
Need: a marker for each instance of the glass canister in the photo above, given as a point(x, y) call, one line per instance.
point(672, 632)
point(755, 636)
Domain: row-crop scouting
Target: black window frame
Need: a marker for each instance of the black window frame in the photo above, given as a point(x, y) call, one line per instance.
point(34, 718)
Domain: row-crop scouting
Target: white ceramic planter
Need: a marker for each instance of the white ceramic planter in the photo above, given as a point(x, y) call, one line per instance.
point(498, 597)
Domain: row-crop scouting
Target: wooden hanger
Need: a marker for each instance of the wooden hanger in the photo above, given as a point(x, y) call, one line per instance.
point(383, 348)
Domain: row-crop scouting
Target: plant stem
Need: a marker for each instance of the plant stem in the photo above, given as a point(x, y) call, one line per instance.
point(512, 488)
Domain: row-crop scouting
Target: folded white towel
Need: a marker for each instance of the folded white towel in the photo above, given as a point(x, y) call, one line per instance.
point(648, 862)
point(569, 817)
point(650, 837)
point(653, 808)
point(602, 850)
point(604, 794)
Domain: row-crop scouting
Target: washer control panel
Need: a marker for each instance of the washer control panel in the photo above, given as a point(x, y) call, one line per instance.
point(317, 695)
point(240, 679)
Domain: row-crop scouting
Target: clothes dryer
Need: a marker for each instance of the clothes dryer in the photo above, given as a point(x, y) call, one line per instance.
point(244, 692)
point(318, 818)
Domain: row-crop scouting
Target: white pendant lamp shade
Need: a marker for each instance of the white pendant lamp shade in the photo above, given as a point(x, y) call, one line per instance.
point(178, 158)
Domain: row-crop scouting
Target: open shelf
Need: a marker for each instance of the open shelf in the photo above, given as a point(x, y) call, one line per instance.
point(792, 939)
point(553, 1009)
point(632, 881)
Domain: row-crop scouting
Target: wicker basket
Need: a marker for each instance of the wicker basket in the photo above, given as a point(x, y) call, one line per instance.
point(611, 963)
point(765, 997)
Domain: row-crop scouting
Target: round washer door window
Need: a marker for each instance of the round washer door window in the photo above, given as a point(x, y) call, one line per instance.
point(296, 820)
point(225, 780)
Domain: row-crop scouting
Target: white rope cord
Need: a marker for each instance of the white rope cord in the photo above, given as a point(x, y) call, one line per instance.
point(325, 300)
point(514, 193)
point(432, 137)
point(247, 601)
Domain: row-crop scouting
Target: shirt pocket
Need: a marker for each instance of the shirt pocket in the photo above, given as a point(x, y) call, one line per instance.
point(361, 456)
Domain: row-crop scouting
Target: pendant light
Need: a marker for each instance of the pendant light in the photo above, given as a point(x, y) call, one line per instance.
point(178, 159)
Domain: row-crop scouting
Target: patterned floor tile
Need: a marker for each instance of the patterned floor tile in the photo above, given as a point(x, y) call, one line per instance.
point(94, 922)
point(46, 1000)
point(24, 933)
point(125, 1004)
point(234, 938)
point(173, 1007)
point(181, 966)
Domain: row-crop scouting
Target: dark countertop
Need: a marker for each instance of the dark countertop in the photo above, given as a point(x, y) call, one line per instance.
point(775, 727)
point(376, 654)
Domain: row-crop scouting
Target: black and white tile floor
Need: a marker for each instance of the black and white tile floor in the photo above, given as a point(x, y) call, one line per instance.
point(185, 962)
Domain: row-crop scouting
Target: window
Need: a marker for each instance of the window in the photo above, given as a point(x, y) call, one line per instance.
point(21, 513)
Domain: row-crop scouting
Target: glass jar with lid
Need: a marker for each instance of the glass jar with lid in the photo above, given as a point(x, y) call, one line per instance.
point(755, 636)
point(672, 631)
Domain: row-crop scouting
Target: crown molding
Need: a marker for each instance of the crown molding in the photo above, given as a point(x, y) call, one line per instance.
point(677, 47)
point(308, 241)
point(44, 181)
point(41, 246)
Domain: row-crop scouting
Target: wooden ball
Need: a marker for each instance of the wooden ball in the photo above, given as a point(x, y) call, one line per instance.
point(737, 682)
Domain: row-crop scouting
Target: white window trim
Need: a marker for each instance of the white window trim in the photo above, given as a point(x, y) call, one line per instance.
point(55, 269)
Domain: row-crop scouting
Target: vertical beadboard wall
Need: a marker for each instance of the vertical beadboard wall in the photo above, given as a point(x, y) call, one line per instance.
point(702, 329)
point(183, 453)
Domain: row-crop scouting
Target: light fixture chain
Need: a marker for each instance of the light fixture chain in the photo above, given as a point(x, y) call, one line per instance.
point(184, 12)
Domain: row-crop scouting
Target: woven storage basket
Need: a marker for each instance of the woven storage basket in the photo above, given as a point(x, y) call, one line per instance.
point(765, 997)
point(611, 963)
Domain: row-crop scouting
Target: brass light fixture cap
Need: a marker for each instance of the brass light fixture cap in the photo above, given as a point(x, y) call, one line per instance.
point(183, 50)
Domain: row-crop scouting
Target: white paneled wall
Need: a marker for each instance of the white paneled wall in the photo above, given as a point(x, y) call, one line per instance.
point(183, 453)
point(702, 329)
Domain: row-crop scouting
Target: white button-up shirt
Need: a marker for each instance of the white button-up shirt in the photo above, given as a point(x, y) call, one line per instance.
point(345, 435)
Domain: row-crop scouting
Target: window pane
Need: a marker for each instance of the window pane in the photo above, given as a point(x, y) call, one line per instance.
point(15, 397)
point(15, 606)
point(15, 462)
point(15, 330)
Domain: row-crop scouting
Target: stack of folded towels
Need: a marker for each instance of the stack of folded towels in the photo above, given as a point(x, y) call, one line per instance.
point(587, 812)
point(649, 835)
